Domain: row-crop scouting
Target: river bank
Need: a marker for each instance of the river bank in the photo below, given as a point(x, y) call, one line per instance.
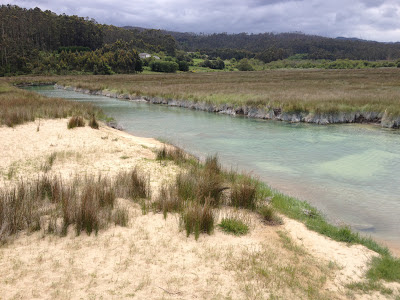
point(382, 119)
point(122, 261)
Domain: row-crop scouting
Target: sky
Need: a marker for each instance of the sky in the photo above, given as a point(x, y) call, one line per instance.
point(377, 20)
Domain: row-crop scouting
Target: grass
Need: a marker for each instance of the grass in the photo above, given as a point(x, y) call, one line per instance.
point(76, 121)
point(51, 204)
point(198, 218)
point(18, 106)
point(244, 193)
point(234, 226)
point(247, 192)
point(365, 90)
point(269, 215)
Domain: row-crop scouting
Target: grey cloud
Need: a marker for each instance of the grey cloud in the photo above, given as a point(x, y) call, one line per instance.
point(368, 19)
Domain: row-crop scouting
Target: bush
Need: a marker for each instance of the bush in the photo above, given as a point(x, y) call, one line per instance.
point(164, 66)
point(76, 121)
point(234, 226)
point(244, 65)
point(183, 66)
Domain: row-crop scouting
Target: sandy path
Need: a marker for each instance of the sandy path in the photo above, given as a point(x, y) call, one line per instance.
point(152, 258)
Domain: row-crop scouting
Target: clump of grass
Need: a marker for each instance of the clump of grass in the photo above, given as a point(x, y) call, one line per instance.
point(370, 285)
point(93, 122)
point(173, 153)
point(200, 184)
point(133, 185)
point(48, 164)
point(212, 165)
point(244, 193)
point(234, 226)
point(385, 267)
point(168, 200)
point(121, 216)
point(269, 215)
point(76, 121)
point(197, 218)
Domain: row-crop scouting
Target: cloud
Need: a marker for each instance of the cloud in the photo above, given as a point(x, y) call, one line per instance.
point(367, 19)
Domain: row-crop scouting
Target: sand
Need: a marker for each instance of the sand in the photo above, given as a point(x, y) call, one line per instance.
point(152, 257)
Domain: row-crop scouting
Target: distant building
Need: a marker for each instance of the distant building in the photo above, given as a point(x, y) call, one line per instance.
point(144, 55)
point(156, 57)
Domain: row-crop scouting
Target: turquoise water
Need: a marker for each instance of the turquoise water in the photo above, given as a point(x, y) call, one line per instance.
point(350, 172)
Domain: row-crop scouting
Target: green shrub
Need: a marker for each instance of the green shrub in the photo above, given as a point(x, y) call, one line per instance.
point(234, 226)
point(183, 66)
point(164, 66)
point(244, 65)
point(76, 121)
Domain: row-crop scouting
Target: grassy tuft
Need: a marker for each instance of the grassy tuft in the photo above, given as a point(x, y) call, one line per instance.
point(269, 215)
point(244, 193)
point(234, 226)
point(173, 153)
point(198, 218)
point(93, 122)
point(133, 185)
point(76, 121)
point(385, 267)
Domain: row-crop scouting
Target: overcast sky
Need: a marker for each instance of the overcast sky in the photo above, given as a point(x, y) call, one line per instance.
point(366, 19)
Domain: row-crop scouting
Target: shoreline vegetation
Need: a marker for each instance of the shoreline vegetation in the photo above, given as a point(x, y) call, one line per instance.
point(195, 194)
point(312, 96)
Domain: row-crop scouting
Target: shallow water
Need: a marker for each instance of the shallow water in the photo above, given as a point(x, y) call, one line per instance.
point(350, 172)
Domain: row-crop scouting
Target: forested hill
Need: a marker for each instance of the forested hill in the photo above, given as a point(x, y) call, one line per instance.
point(270, 46)
point(26, 33)
point(36, 41)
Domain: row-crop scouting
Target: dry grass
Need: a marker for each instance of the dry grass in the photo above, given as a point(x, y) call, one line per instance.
point(292, 90)
point(18, 106)
point(52, 204)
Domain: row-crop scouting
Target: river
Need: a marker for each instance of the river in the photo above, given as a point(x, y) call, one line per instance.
point(350, 172)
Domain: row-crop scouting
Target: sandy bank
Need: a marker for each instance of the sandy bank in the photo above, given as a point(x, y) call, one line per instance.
point(151, 257)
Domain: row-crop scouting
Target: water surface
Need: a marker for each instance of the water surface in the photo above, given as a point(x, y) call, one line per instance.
point(350, 172)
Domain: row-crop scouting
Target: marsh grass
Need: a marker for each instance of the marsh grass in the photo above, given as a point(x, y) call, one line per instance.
point(318, 91)
point(19, 106)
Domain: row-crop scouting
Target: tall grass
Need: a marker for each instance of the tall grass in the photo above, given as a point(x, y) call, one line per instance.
point(51, 204)
point(18, 106)
point(198, 218)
